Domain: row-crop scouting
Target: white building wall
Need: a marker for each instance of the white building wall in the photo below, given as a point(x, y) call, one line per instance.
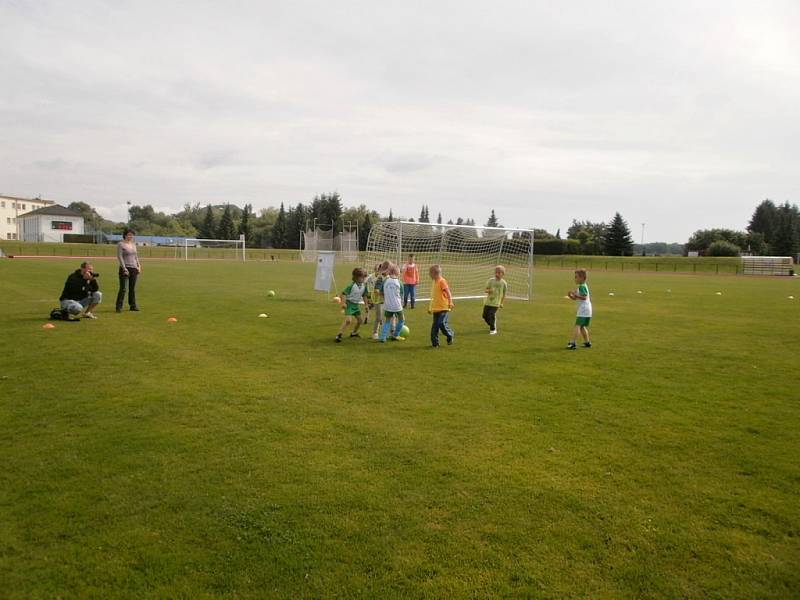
point(10, 210)
point(39, 228)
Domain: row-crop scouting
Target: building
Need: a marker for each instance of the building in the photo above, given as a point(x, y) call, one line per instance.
point(49, 224)
point(11, 208)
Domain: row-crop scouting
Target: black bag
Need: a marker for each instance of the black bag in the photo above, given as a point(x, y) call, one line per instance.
point(58, 314)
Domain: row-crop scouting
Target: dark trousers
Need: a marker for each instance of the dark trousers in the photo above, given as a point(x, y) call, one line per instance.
point(440, 324)
point(409, 293)
point(127, 281)
point(490, 316)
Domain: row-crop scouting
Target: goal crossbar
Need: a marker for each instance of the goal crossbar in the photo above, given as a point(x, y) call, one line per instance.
point(466, 253)
point(211, 248)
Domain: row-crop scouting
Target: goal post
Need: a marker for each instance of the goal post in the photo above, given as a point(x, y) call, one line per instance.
point(467, 254)
point(197, 248)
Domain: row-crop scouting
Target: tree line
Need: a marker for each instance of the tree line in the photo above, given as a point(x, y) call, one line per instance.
point(772, 230)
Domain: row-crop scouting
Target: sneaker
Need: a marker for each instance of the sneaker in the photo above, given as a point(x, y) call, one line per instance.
point(89, 315)
point(71, 317)
point(587, 344)
point(400, 338)
point(135, 308)
point(572, 346)
point(493, 332)
point(354, 334)
point(338, 339)
point(450, 341)
point(375, 336)
point(119, 309)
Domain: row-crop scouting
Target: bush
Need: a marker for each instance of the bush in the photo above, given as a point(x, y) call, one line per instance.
point(722, 248)
point(548, 247)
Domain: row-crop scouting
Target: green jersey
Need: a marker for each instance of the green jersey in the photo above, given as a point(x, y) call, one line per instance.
point(497, 292)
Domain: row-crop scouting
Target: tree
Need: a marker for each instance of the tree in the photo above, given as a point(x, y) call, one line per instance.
point(208, 228)
point(558, 233)
point(226, 230)
point(459, 221)
point(542, 234)
point(278, 236)
point(439, 219)
point(702, 239)
point(786, 240)
point(492, 222)
point(618, 240)
point(722, 248)
point(423, 215)
point(765, 220)
point(245, 228)
point(391, 218)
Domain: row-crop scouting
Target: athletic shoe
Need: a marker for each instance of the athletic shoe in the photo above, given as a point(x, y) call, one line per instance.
point(71, 317)
point(400, 338)
point(493, 332)
point(375, 336)
point(89, 315)
point(572, 346)
point(338, 339)
point(450, 341)
point(352, 335)
point(587, 344)
point(135, 308)
point(119, 310)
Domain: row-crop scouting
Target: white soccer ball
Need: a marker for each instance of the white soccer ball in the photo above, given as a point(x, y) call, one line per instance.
point(262, 316)
point(719, 293)
point(791, 297)
point(610, 293)
point(639, 291)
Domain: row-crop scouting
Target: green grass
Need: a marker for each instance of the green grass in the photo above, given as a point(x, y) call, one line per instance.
point(227, 455)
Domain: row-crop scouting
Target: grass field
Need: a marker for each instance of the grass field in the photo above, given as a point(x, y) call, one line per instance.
point(227, 455)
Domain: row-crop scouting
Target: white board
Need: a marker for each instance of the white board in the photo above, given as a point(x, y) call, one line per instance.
point(324, 277)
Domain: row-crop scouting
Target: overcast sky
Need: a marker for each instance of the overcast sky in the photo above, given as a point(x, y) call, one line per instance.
point(680, 114)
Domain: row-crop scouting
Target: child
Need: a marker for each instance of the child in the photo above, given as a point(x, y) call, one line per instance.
point(410, 281)
point(377, 297)
point(392, 304)
point(440, 307)
point(368, 290)
point(351, 297)
point(584, 310)
point(496, 289)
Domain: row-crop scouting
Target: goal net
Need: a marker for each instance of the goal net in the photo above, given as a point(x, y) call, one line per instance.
point(767, 265)
point(198, 248)
point(467, 255)
point(344, 243)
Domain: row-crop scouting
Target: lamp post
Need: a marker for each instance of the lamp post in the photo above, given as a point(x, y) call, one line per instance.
point(643, 252)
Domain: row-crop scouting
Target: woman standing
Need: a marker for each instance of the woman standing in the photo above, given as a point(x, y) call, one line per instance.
point(129, 269)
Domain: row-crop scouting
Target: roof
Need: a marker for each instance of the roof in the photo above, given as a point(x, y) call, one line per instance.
point(55, 210)
point(42, 200)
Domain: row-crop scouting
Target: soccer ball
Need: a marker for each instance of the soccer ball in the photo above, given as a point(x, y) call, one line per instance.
point(405, 331)
point(271, 293)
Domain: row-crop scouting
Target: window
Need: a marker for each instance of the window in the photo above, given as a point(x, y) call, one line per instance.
point(61, 225)
point(23, 207)
point(8, 220)
point(8, 236)
point(2, 204)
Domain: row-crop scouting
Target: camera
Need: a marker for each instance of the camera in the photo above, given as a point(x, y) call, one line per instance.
point(95, 275)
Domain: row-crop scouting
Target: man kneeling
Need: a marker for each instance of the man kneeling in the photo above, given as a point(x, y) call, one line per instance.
point(81, 293)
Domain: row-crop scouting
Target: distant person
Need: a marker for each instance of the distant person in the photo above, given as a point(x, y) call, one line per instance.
point(410, 281)
point(496, 289)
point(393, 316)
point(81, 293)
point(129, 270)
point(352, 297)
point(584, 310)
point(440, 307)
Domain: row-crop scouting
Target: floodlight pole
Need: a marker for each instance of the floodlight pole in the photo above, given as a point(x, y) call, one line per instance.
point(643, 252)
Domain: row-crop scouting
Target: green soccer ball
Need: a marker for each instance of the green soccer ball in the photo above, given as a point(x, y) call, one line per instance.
point(405, 331)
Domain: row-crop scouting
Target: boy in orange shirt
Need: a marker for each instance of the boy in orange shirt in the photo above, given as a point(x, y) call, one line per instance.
point(440, 307)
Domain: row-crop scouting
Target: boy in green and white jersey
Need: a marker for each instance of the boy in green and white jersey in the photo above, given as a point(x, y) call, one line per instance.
point(353, 297)
point(496, 289)
point(584, 310)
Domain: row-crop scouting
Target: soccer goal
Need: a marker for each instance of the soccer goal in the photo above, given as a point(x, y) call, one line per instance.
point(320, 239)
point(767, 265)
point(467, 255)
point(199, 248)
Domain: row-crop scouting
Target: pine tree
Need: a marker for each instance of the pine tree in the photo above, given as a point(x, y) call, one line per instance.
point(422, 215)
point(391, 218)
point(786, 240)
point(765, 220)
point(226, 229)
point(618, 240)
point(450, 222)
point(439, 219)
point(245, 227)
point(279, 229)
point(558, 233)
point(208, 228)
point(492, 222)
